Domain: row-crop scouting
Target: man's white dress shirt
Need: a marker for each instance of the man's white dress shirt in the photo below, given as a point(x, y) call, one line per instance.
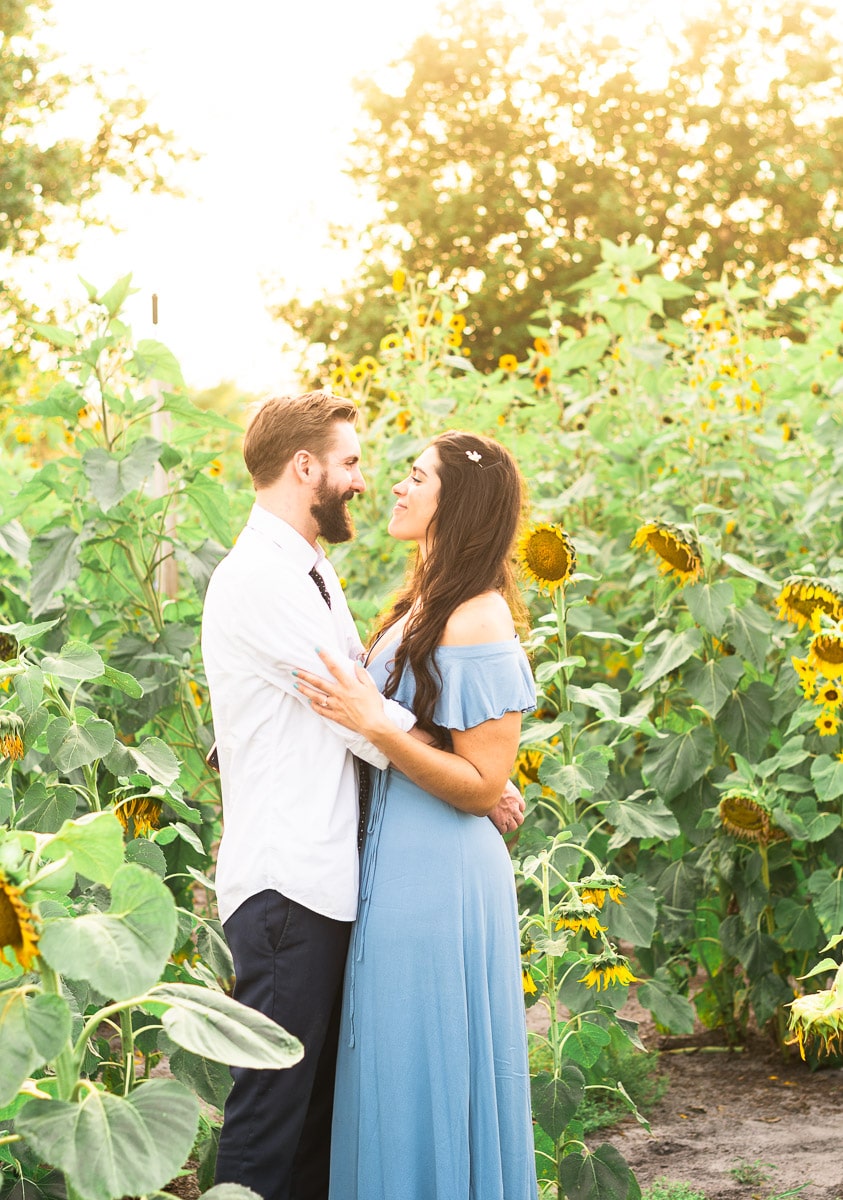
point(288, 782)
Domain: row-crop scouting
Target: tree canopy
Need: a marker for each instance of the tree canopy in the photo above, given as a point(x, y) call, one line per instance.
point(504, 147)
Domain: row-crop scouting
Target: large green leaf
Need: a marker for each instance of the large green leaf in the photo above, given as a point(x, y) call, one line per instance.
point(586, 774)
point(156, 759)
point(679, 885)
point(211, 502)
point(30, 689)
point(75, 662)
point(112, 476)
point(673, 1012)
point(666, 652)
point(827, 891)
point(797, 927)
point(633, 819)
point(711, 683)
point(153, 360)
point(672, 764)
point(34, 1028)
point(44, 809)
point(634, 919)
point(749, 628)
point(93, 845)
point(746, 719)
point(556, 1098)
point(72, 745)
point(827, 774)
point(584, 1045)
point(210, 1080)
point(55, 564)
point(112, 1146)
point(212, 1024)
point(123, 951)
point(709, 603)
point(601, 1175)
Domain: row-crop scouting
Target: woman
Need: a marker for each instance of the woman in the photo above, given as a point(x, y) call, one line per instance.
point(432, 1097)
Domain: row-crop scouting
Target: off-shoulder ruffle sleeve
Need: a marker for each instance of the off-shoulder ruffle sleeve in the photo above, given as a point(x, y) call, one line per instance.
point(479, 683)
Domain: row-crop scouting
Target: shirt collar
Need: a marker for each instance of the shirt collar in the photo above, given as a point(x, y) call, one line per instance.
point(283, 534)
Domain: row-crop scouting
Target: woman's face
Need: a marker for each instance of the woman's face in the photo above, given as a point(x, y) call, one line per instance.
point(417, 500)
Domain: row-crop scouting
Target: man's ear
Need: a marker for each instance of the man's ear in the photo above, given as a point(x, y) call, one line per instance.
point(304, 465)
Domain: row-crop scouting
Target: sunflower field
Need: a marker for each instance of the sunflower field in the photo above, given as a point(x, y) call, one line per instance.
point(682, 559)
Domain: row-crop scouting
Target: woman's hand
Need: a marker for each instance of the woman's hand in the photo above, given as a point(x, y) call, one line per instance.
point(351, 700)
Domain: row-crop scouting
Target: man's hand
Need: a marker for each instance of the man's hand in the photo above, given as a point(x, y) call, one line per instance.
point(508, 813)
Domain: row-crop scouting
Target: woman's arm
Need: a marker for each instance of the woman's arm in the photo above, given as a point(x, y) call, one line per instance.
point(471, 778)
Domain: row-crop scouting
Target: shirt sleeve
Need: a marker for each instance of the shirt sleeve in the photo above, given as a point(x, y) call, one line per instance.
point(282, 628)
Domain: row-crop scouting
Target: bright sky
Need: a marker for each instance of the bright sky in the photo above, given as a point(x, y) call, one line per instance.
point(262, 88)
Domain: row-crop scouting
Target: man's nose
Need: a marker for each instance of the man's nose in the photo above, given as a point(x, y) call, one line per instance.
point(358, 482)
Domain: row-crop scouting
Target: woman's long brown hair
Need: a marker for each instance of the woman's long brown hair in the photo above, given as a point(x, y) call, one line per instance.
point(469, 552)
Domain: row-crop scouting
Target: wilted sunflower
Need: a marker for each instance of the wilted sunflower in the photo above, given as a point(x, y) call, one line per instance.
point(818, 1018)
point(547, 556)
point(144, 813)
point(527, 981)
point(825, 653)
point(608, 969)
point(677, 548)
point(802, 596)
point(596, 888)
point(577, 918)
point(11, 730)
point(746, 819)
point(18, 926)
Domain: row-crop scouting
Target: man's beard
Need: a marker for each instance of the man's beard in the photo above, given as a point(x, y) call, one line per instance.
point(332, 516)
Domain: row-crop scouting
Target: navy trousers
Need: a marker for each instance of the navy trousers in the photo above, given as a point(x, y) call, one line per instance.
point(288, 964)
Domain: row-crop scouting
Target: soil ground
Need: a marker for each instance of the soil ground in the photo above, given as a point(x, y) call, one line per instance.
point(724, 1109)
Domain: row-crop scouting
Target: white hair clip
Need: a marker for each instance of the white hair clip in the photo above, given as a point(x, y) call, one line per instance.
point(474, 455)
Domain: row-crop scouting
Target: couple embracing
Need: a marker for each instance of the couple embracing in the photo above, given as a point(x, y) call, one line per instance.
point(398, 965)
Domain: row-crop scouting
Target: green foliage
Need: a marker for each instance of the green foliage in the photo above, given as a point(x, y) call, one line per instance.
point(751, 1174)
point(505, 146)
point(671, 1189)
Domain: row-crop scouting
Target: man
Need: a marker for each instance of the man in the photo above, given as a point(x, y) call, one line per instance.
point(287, 869)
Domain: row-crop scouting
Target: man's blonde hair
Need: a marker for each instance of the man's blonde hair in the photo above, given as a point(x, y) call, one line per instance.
point(283, 425)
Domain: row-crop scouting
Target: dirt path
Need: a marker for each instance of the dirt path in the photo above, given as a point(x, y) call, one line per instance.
point(724, 1108)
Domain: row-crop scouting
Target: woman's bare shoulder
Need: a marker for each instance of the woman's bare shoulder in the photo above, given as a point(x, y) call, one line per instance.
point(483, 618)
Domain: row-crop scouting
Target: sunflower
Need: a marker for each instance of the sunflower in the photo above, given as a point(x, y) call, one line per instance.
point(802, 596)
point(215, 469)
point(18, 925)
point(826, 653)
point(11, 729)
point(527, 981)
point(457, 323)
point(392, 341)
point(541, 346)
point(582, 921)
point(399, 278)
point(357, 373)
point(597, 895)
point(610, 968)
point(677, 548)
point(402, 420)
point(542, 379)
point(827, 723)
point(8, 647)
point(339, 376)
point(817, 1018)
point(454, 338)
point(547, 556)
point(369, 364)
point(196, 693)
point(508, 362)
point(830, 694)
point(807, 675)
point(744, 818)
point(144, 813)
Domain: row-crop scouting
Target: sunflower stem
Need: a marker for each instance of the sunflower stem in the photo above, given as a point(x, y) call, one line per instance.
point(67, 1075)
point(565, 737)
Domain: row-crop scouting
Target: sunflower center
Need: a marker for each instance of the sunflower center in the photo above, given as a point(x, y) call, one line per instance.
point(547, 556)
point(672, 550)
point(10, 930)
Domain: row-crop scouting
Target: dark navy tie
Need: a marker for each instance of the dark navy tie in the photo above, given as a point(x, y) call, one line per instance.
point(320, 583)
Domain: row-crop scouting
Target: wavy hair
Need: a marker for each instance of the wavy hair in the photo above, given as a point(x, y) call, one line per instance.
point(470, 545)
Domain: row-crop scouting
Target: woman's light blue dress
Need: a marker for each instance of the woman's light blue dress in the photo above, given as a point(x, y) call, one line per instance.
point(433, 1091)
